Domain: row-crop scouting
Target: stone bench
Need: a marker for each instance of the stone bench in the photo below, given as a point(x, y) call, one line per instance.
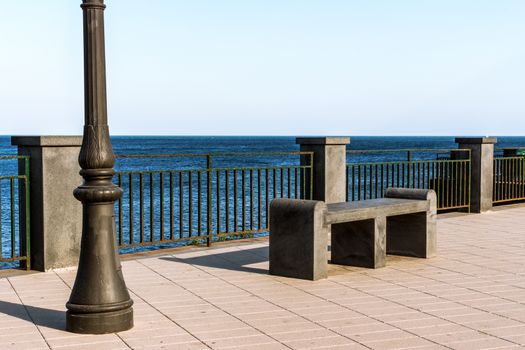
point(362, 232)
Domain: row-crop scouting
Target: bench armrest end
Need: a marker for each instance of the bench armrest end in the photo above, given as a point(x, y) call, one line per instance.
point(413, 193)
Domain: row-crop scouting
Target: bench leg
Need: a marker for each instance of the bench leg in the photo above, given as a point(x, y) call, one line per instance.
point(412, 235)
point(298, 239)
point(359, 243)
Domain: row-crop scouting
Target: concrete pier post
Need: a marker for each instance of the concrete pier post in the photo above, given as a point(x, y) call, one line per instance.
point(329, 167)
point(482, 171)
point(56, 217)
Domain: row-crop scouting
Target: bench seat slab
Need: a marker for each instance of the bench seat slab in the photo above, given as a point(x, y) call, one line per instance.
point(371, 208)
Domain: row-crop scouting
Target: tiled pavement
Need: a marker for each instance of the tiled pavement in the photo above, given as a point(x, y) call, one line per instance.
point(472, 296)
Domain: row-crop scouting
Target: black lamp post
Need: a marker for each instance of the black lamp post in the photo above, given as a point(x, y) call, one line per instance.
point(99, 302)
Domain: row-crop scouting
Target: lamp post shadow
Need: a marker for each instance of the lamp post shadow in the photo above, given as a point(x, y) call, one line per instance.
point(49, 318)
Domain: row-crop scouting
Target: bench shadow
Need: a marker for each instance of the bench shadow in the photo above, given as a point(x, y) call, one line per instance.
point(39, 316)
point(231, 260)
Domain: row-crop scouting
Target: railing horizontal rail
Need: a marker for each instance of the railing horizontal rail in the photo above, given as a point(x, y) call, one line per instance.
point(414, 150)
point(450, 178)
point(436, 161)
point(206, 170)
point(14, 157)
point(169, 155)
point(21, 177)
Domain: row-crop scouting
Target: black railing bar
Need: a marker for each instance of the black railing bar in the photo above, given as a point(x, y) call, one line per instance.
point(172, 155)
point(14, 157)
point(413, 162)
point(416, 150)
point(210, 169)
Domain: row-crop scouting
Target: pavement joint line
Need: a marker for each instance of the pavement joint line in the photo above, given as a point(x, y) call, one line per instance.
point(120, 337)
point(68, 286)
point(123, 341)
point(28, 313)
point(480, 266)
point(472, 253)
point(469, 288)
point(63, 280)
point(366, 315)
point(466, 288)
point(93, 343)
point(203, 299)
point(268, 301)
point(440, 317)
point(275, 304)
point(163, 314)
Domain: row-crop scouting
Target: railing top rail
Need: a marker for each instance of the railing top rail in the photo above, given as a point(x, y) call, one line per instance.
point(413, 150)
point(435, 161)
point(176, 171)
point(3, 177)
point(239, 154)
point(14, 157)
point(509, 147)
point(518, 157)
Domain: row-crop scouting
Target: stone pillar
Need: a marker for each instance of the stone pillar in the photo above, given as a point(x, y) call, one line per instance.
point(329, 172)
point(56, 217)
point(482, 173)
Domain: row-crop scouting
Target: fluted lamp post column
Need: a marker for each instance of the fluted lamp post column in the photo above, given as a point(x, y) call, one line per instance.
point(99, 302)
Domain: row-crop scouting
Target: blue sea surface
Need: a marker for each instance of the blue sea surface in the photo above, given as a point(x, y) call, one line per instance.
point(242, 151)
point(126, 145)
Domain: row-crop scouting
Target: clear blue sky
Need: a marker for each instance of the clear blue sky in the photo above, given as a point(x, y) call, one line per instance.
point(271, 67)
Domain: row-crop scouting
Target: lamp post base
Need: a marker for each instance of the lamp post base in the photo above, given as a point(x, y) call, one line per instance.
point(99, 323)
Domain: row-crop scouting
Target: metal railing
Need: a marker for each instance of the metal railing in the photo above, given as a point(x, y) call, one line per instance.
point(445, 171)
point(205, 200)
point(509, 152)
point(15, 213)
point(509, 179)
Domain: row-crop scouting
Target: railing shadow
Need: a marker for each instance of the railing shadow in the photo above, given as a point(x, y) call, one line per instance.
point(39, 316)
point(232, 260)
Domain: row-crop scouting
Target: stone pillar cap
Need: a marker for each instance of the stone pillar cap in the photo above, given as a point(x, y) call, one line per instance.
point(476, 140)
point(325, 140)
point(46, 141)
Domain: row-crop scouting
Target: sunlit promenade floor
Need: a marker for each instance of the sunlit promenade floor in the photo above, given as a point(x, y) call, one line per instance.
point(472, 296)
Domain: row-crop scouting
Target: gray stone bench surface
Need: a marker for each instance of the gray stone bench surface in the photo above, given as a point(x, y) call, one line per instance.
point(300, 229)
point(371, 208)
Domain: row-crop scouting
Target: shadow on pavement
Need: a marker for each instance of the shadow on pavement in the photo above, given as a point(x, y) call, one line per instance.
point(232, 260)
point(39, 316)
